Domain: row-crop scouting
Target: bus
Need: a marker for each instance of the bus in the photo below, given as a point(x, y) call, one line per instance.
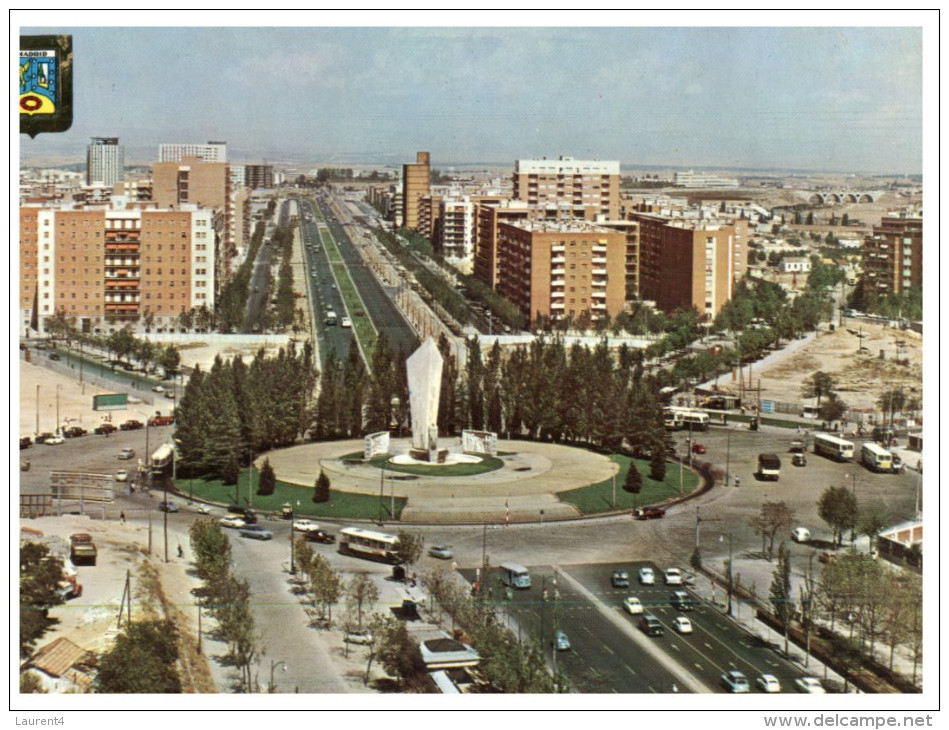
point(836, 448)
point(678, 418)
point(875, 457)
point(369, 544)
point(514, 575)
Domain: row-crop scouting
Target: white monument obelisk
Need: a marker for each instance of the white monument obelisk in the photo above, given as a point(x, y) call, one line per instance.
point(424, 370)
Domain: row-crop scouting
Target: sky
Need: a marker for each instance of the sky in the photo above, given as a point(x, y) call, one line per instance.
point(846, 99)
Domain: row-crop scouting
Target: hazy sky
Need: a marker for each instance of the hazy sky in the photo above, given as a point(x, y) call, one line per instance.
point(845, 99)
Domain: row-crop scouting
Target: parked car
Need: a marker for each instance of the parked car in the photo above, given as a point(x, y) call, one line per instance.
point(768, 683)
point(74, 432)
point(646, 576)
point(25, 442)
point(170, 394)
point(620, 579)
point(682, 625)
point(158, 388)
point(168, 506)
point(682, 600)
point(161, 420)
point(131, 425)
point(673, 577)
point(698, 448)
point(231, 521)
point(798, 460)
point(54, 440)
point(358, 637)
point(126, 454)
point(735, 681)
point(441, 552)
point(256, 532)
point(105, 428)
point(122, 475)
point(561, 642)
point(41, 439)
point(650, 625)
point(54, 356)
point(809, 685)
point(800, 534)
point(321, 536)
point(649, 513)
point(633, 605)
point(305, 525)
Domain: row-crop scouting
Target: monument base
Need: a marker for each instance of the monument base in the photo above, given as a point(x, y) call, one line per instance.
point(433, 456)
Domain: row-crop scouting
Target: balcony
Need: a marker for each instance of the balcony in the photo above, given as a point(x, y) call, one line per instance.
point(558, 271)
point(557, 305)
point(598, 294)
point(558, 282)
point(599, 272)
point(599, 260)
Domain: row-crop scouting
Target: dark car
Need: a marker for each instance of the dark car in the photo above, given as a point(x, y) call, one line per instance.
point(650, 625)
point(25, 442)
point(74, 432)
point(649, 513)
point(620, 579)
point(131, 425)
point(170, 507)
point(105, 428)
point(320, 536)
point(54, 356)
point(682, 600)
point(41, 439)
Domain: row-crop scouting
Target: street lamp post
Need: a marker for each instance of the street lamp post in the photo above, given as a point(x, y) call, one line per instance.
point(729, 570)
point(58, 428)
point(293, 566)
point(728, 453)
point(274, 665)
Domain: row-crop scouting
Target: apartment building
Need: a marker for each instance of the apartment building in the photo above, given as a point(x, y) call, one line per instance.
point(687, 263)
point(569, 188)
point(561, 269)
point(893, 254)
point(258, 176)
point(105, 161)
point(416, 183)
point(488, 215)
point(630, 229)
point(205, 184)
point(693, 179)
point(109, 266)
point(209, 152)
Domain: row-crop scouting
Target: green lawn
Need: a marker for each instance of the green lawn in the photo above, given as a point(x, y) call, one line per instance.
point(487, 463)
point(599, 497)
point(342, 505)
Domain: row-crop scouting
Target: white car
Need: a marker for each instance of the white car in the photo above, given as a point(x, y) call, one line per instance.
point(122, 475)
point(646, 576)
point(358, 637)
point(682, 625)
point(231, 521)
point(158, 388)
point(304, 525)
point(346, 322)
point(673, 577)
point(809, 685)
point(632, 605)
point(801, 534)
point(768, 683)
point(55, 440)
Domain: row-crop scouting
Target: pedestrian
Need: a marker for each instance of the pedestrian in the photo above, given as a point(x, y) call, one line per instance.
point(122, 516)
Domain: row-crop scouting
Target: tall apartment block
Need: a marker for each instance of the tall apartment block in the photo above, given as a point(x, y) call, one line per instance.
point(569, 188)
point(210, 152)
point(416, 183)
point(893, 254)
point(489, 215)
point(686, 263)
point(258, 176)
point(561, 269)
point(107, 267)
point(194, 181)
point(105, 161)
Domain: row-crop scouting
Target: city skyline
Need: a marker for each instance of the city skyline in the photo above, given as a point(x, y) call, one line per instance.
point(823, 99)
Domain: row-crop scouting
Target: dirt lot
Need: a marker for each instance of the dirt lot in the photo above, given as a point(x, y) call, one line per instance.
point(861, 376)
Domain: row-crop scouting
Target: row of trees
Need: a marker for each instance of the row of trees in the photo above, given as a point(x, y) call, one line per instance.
point(235, 410)
point(225, 596)
point(543, 390)
point(40, 574)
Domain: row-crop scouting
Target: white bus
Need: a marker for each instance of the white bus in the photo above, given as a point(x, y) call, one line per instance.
point(368, 544)
point(836, 448)
point(875, 457)
point(679, 418)
point(514, 575)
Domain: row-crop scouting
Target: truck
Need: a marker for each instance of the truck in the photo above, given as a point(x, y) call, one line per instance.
point(769, 467)
point(82, 550)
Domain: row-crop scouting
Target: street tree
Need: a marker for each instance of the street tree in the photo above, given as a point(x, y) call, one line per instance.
point(143, 660)
point(837, 506)
point(321, 488)
point(325, 585)
point(891, 402)
point(398, 654)
point(872, 519)
point(819, 385)
point(832, 409)
point(657, 465)
point(774, 517)
point(360, 591)
point(780, 595)
point(633, 482)
point(408, 548)
point(40, 574)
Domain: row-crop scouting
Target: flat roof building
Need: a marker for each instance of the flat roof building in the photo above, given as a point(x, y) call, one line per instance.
point(209, 152)
point(105, 161)
point(569, 188)
point(416, 183)
point(893, 255)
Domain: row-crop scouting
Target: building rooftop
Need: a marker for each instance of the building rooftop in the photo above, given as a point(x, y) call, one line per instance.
point(574, 225)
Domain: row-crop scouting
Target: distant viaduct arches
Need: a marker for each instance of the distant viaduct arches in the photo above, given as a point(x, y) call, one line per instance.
point(843, 196)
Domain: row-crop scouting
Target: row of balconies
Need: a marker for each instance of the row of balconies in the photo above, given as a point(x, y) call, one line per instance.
point(122, 274)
